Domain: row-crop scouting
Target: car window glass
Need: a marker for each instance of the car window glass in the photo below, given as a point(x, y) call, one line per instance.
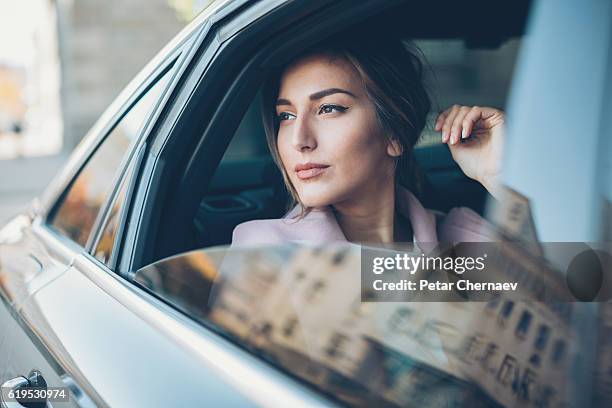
point(106, 243)
point(77, 213)
point(301, 308)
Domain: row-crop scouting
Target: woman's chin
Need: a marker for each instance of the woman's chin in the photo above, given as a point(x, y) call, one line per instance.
point(313, 199)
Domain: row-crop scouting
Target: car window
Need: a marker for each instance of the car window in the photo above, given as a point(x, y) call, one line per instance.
point(248, 185)
point(302, 309)
point(77, 212)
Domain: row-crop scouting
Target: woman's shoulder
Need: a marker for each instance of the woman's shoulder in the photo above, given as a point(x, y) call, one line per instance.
point(318, 225)
point(259, 232)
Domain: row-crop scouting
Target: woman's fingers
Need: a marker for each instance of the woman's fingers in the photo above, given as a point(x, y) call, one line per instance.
point(440, 121)
point(473, 116)
point(448, 121)
point(458, 122)
point(456, 126)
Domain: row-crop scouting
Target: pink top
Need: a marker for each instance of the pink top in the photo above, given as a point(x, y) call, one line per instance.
point(320, 226)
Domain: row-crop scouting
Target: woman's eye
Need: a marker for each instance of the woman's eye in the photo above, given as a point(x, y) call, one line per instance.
point(331, 109)
point(285, 116)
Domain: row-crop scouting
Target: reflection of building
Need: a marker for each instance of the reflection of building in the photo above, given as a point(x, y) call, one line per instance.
point(310, 320)
point(300, 308)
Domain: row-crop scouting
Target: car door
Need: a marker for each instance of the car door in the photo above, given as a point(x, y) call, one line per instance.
point(36, 250)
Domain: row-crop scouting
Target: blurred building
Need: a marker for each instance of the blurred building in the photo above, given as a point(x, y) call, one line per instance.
point(103, 45)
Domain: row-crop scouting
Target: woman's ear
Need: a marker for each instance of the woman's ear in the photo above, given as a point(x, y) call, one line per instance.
point(394, 148)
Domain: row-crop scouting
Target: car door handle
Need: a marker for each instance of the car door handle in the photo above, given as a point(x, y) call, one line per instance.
point(9, 386)
point(35, 380)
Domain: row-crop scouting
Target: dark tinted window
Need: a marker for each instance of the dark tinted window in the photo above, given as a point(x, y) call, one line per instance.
point(77, 213)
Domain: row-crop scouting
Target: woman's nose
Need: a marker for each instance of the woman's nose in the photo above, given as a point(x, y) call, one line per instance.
point(303, 135)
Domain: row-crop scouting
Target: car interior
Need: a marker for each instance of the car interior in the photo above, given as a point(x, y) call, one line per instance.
point(464, 64)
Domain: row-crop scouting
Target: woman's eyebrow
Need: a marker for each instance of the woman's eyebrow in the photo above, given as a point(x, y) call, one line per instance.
point(316, 95)
point(281, 101)
point(330, 91)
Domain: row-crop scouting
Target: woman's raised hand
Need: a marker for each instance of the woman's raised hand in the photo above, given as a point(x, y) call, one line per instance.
point(475, 136)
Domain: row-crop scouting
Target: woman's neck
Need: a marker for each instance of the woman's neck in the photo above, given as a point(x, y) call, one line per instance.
point(372, 219)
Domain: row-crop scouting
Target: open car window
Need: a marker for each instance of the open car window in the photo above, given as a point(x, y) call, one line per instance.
point(248, 185)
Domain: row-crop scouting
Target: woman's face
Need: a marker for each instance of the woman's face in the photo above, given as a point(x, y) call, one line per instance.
point(329, 139)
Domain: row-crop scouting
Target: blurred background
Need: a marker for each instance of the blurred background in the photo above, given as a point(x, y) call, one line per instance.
point(62, 62)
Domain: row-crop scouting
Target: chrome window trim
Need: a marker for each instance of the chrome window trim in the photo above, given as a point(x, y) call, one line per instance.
point(190, 81)
point(133, 149)
point(180, 99)
point(124, 212)
point(253, 377)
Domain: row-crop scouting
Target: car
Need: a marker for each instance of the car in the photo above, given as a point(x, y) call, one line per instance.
point(110, 281)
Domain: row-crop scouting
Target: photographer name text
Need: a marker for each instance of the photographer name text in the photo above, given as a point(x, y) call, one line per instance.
point(462, 284)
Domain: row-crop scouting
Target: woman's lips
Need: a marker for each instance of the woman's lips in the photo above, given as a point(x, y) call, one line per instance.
point(310, 170)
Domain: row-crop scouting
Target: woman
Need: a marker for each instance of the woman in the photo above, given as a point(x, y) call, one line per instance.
point(341, 122)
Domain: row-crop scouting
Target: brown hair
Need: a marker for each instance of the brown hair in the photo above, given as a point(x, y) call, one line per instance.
point(392, 75)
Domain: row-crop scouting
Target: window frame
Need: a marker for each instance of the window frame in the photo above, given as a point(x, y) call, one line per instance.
point(246, 47)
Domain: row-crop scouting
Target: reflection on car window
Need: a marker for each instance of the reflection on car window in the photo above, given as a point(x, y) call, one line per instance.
point(300, 309)
point(107, 240)
point(77, 213)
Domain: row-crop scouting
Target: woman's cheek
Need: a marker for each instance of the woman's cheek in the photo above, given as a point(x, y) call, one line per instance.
point(284, 151)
